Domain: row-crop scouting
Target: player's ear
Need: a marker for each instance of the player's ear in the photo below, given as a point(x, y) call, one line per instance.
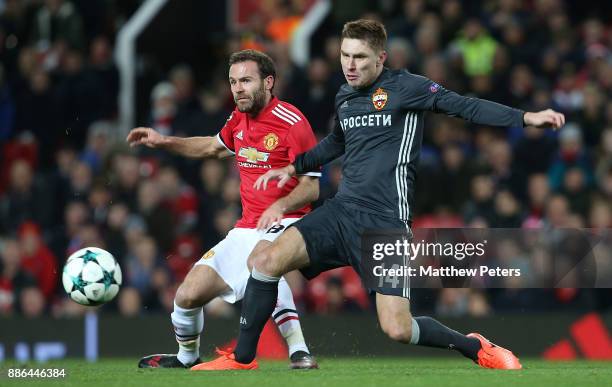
point(269, 82)
point(382, 57)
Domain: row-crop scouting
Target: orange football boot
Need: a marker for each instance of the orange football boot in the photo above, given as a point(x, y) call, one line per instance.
point(494, 356)
point(225, 361)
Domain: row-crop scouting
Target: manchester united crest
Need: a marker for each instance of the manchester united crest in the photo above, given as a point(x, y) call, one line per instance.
point(270, 141)
point(379, 98)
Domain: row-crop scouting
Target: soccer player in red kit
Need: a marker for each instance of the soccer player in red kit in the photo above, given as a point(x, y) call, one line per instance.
point(262, 133)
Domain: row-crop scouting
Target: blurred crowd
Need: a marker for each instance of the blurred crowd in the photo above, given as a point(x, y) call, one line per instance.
point(68, 180)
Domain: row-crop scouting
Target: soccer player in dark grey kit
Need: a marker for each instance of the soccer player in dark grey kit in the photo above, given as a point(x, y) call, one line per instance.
point(379, 130)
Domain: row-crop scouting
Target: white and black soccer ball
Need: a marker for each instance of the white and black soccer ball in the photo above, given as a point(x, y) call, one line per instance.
point(92, 276)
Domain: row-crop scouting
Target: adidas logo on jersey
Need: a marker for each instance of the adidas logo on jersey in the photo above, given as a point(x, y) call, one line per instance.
point(239, 135)
point(344, 105)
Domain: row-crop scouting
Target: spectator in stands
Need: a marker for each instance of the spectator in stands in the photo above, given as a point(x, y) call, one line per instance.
point(25, 199)
point(283, 18)
point(314, 95)
point(76, 215)
point(114, 230)
point(600, 216)
point(210, 117)
point(163, 107)
point(455, 172)
point(125, 177)
point(37, 95)
point(521, 86)
point(557, 212)
point(13, 278)
point(400, 54)
point(32, 302)
point(212, 175)
point(179, 197)
point(184, 254)
point(81, 179)
point(38, 260)
point(99, 141)
point(82, 97)
point(157, 216)
point(337, 302)
point(146, 272)
point(452, 302)
point(538, 192)
point(591, 116)
point(534, 152)
point(186, 102)
point(99, 200)
point(57, 20)
point(576, 191)
point(571, 154)
point(476, 47)
point(481, 203)
point(130, 304)
point(508, 212)
point(102, 67)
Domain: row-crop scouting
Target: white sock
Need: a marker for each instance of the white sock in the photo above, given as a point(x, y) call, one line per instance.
point(286, 318)
point(188, 324)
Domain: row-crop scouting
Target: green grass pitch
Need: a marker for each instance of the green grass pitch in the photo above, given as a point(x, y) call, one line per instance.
point(353, 372)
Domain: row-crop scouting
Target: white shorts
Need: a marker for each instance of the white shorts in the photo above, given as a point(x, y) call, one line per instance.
point(229, 257)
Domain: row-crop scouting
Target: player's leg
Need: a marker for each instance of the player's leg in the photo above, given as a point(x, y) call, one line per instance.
point(311, 245)
point(287, 319)
point(220, 272)
point(397, 322)
point(285, 314)
point(286, 253)
point(201, 285)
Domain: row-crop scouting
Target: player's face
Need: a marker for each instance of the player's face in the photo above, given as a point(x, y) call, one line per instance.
point(360, 63)
point(251, 93)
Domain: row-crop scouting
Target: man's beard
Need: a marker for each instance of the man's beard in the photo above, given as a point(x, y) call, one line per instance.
point(257, 102)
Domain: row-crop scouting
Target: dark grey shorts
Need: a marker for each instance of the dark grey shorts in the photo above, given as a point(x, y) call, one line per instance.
point(333, 236)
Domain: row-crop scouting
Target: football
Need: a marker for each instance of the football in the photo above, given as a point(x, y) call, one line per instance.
point(91, 276)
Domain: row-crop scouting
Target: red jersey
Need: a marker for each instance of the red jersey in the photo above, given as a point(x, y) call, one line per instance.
point(271, 140)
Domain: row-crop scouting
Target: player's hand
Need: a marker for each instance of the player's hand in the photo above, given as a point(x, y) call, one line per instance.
point(283, 175)
point(145, 136)
point(545, 119)
point(271, 216)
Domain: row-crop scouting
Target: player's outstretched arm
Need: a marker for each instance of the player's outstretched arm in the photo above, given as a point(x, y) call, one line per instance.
point(194, 147)
point(305, 192)
point(418, 92)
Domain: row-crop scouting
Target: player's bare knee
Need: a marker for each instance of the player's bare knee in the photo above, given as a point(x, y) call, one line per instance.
point(185, 297)
point(268, 262)
point(251, 260)
point(398, 331)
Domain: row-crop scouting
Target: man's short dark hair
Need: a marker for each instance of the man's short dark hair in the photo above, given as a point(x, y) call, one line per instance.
point(265, 64)
point(372, 31)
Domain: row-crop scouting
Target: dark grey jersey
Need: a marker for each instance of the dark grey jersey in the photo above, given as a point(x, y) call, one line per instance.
point(379, 130)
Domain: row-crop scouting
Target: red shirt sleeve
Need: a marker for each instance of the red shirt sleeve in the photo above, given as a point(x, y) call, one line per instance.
point(226, 135)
